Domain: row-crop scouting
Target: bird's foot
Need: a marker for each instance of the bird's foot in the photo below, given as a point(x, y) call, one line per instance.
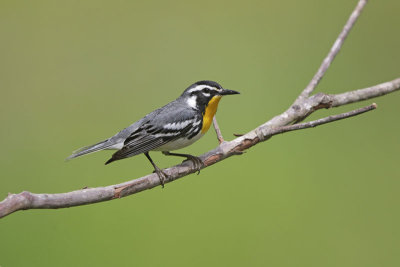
point(197, 162)
point(161, 175)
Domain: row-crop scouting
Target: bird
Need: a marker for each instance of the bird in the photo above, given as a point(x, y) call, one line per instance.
point(176, 125)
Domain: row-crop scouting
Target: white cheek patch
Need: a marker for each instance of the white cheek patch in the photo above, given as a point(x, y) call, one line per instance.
point(192, 102)
point(206, 94)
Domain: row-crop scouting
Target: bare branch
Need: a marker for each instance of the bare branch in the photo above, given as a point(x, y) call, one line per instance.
point(217, 130)
point(366, 93)
point(334, 50)
point(325, 120)
point(302, 107)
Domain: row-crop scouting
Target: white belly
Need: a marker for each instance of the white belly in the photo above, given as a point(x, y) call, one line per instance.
point(178, 144)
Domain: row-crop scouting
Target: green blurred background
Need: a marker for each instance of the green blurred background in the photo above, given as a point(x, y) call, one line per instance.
point(75, 72)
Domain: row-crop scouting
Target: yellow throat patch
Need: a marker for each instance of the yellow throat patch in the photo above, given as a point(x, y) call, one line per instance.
point(209, 113)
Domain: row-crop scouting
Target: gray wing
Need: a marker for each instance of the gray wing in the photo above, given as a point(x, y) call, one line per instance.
point(157, 129)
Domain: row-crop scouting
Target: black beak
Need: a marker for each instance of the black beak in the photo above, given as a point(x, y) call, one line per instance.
point(228, 92)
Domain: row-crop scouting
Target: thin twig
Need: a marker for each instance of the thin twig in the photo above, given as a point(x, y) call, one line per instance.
point(315, 123)
point(366, 93)
point(217, 130)
point(334, 50)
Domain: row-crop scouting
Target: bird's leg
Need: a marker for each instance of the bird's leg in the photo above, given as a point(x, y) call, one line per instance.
point(161, 175)
point(197, 162)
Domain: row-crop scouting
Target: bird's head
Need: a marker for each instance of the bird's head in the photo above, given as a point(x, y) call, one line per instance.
point(204, 93)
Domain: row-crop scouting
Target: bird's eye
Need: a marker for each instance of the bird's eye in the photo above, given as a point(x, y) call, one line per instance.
point(206, 90)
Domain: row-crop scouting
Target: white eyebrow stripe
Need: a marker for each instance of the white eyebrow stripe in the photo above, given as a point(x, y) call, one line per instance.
point(201, 87)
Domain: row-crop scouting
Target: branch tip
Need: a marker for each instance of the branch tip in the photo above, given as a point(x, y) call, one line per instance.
point(337, 45)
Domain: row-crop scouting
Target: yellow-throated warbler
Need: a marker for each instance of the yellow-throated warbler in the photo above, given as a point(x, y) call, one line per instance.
point(176, 125)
